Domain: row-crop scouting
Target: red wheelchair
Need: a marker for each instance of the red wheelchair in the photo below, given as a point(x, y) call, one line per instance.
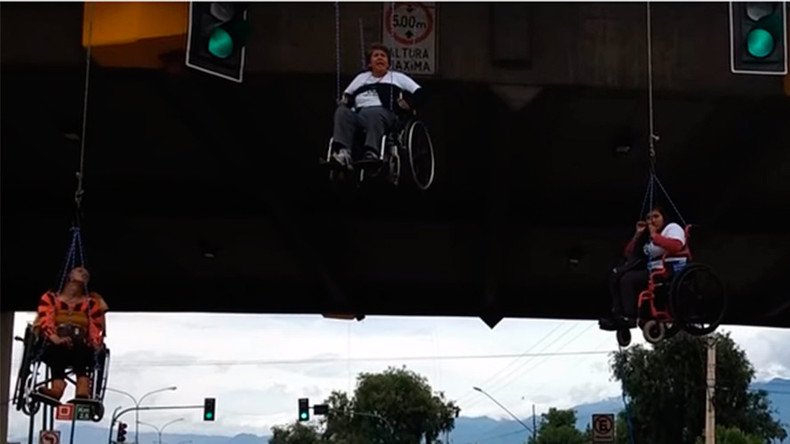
point(680, 295)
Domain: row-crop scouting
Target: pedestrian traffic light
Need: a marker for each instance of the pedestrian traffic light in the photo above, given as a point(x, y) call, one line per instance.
point(208, 409)
point(121, 432)
point(217, 38)
point(304, 409)
point(758, 38)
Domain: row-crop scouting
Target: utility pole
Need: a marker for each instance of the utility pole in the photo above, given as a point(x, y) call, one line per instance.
point(710, 409)
point(534, 425)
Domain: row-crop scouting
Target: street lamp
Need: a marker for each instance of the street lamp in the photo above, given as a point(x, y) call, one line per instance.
point(137, 407)
point(505, 409)
point(161, 430)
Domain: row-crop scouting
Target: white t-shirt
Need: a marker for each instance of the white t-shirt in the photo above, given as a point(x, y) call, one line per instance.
point(653, 251)
point(371, 97)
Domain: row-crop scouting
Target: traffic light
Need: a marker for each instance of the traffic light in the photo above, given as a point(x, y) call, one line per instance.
point(121, 432)
point(304, 409)
point(208, 409)
point(217, 38)
point(758, 38)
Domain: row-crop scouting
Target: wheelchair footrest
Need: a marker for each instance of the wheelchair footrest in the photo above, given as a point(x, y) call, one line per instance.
point(367, 163)
point(40, 397)
point(84, 401)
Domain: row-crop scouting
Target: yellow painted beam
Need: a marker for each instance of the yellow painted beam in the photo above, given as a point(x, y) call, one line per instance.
point(134, 34)
point(113, 23)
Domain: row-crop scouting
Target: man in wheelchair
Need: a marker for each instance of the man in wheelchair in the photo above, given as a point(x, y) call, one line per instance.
point(655, 243)
point(72, 324)
point(371, 105)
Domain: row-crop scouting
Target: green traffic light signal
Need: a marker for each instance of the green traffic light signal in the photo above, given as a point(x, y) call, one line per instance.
point(760, 43)
point(220, 43)
point(304, 409)
point(209, 404)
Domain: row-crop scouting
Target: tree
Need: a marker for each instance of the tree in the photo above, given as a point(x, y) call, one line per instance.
point(296, 433)
point(729, 435)
point(667, 388)
point(558, 427)
point(394, 407)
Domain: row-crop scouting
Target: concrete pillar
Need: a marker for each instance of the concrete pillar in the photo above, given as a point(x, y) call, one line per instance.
point(6, 341)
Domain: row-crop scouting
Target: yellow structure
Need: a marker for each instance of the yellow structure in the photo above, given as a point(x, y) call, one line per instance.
point(134, 34)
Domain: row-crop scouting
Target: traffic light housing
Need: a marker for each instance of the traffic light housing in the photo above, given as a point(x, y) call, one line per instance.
point(209, 405)
point(304, 409)
point(121, 432)
point(758, 38)
point(217, 38)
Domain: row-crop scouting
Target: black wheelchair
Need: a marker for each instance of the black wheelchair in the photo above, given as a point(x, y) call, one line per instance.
point(33, 375)
point(407, 140)
point(691, 298)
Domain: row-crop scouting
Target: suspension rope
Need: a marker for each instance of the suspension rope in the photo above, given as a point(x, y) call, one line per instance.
point(670, 201)
point(652, 138)
point(337, 49)
point(81, 173)
point(362, 44)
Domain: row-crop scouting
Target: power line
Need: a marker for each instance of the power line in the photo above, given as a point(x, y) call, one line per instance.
point(329, 360)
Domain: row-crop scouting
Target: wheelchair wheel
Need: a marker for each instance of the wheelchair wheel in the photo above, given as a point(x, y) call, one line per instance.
point(653, 331)
point(25, 382)
point(419, 149)
point(101, 373)
point(698, 301)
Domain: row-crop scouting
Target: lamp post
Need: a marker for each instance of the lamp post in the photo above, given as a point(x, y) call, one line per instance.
point(161, 430)
point(137, 405)
point(504, 408)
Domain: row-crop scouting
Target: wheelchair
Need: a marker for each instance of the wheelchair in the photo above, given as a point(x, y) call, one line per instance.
point(690, 297)
point(33, 375)
point(407, 140)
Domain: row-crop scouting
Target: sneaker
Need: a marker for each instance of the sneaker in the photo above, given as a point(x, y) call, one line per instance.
point(342, 156)
point(370, 155)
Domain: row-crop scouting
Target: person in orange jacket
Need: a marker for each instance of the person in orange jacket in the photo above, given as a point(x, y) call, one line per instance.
point(73, 324)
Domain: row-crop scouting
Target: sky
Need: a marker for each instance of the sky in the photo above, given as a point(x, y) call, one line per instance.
point(257, 366)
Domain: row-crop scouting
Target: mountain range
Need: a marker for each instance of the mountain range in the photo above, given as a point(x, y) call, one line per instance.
point(468, 430)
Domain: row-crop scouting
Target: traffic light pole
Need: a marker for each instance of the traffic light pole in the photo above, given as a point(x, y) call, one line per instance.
point(116, 415)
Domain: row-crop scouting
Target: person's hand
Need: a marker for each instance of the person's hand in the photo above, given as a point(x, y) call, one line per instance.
point(57, 340)
point(640, 227)
point(653, 229)
point(403, 104)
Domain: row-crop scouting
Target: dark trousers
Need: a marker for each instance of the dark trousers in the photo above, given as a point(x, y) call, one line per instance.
point(374, 121)
point(625, 284)
point(59, 358)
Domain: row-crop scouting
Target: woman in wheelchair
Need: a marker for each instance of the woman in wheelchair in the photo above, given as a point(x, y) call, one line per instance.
point(371, 105)
point(73, 325)
point(653, 239)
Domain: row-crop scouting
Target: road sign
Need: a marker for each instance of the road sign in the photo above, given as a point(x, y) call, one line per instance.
point(49, 437)
point(83, 412)
point(603, 428)
point(64, 412)
point(410, 33)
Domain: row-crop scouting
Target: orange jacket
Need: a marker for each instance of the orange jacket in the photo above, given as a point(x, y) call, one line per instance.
point(87, 313)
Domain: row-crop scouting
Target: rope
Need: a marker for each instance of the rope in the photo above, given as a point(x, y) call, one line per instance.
point(642, 212)
point(362, 44)
point(81, 173)
point(337, 48)
point(670, 202)
point(652, 138)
